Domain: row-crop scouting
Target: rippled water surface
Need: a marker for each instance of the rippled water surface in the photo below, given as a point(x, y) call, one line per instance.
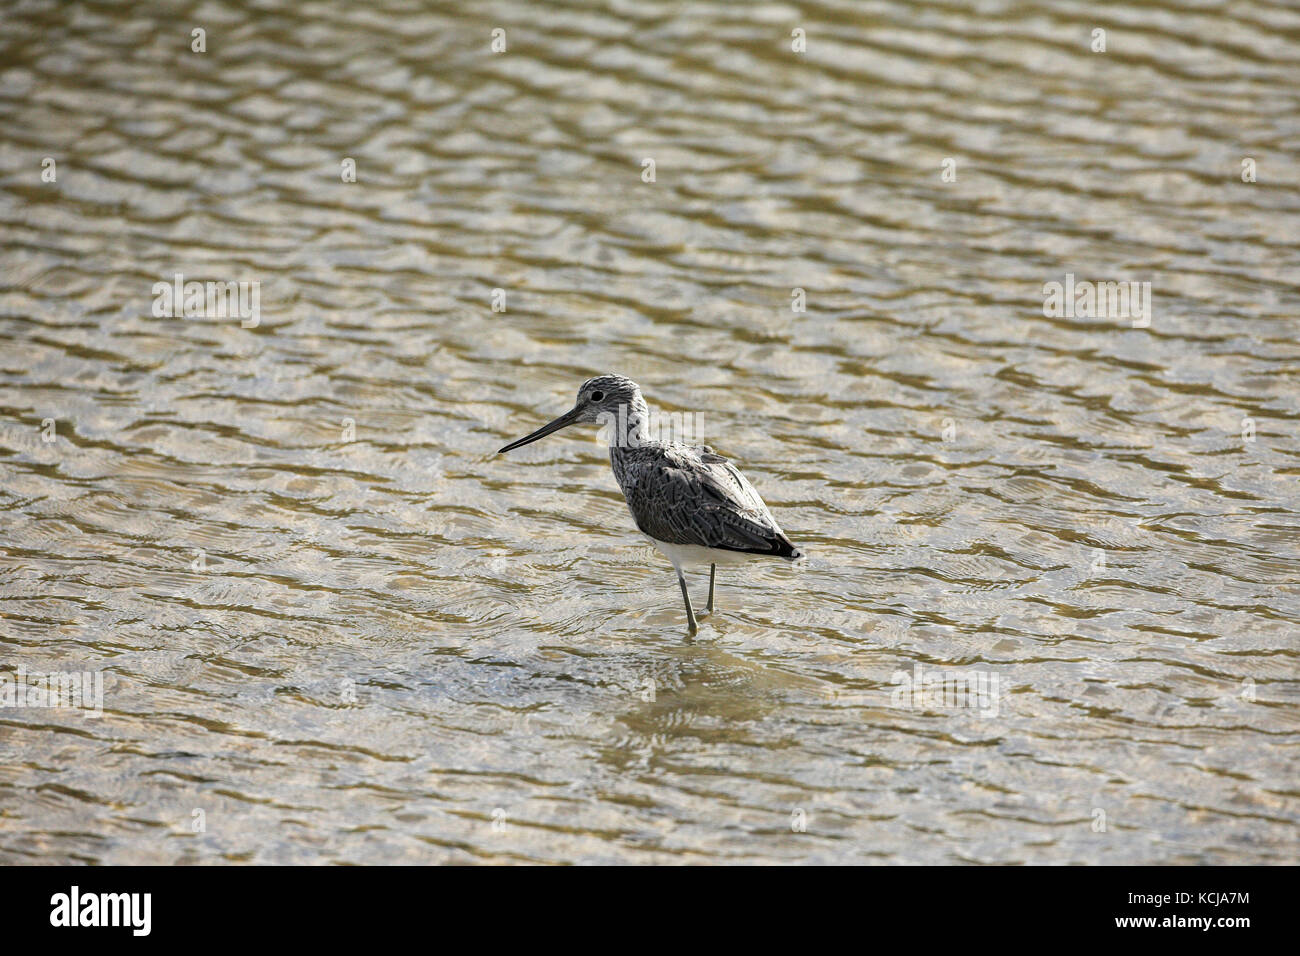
point(382, 643)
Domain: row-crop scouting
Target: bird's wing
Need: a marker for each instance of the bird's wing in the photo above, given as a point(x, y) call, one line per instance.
point(692, 496)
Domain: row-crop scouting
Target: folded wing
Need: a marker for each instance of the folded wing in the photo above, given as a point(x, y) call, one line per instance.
point(692, 496)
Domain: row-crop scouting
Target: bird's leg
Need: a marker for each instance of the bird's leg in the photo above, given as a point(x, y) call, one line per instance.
point(690, 614)
point(712, 570)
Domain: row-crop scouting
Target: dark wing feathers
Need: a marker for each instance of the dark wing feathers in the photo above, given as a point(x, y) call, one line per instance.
point(686, 496)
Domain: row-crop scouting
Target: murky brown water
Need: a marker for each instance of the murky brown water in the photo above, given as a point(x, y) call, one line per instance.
point(400, 648)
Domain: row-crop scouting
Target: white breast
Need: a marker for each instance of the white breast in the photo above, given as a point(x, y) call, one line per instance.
point(693, 555)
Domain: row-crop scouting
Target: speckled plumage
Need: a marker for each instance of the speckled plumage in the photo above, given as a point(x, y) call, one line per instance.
point(692, 503)
point(677, 493)
point(684, 494)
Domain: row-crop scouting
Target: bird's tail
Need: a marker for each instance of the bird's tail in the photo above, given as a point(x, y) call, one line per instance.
point(785, 548)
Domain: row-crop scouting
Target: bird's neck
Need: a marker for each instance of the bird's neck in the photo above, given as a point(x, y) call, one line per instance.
point(633, 426)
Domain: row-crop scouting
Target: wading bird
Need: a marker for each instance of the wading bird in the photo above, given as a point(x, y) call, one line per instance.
point(693, 505)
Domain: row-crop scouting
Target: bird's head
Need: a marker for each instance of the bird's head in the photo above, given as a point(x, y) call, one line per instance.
point(599, 400)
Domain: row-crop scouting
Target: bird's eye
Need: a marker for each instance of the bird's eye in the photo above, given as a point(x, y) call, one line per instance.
point(597, 396)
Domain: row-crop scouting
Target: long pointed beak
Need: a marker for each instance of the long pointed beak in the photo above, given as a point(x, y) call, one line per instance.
point(568, 418)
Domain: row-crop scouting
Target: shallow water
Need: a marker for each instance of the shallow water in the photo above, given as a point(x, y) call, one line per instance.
point(393, 646)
